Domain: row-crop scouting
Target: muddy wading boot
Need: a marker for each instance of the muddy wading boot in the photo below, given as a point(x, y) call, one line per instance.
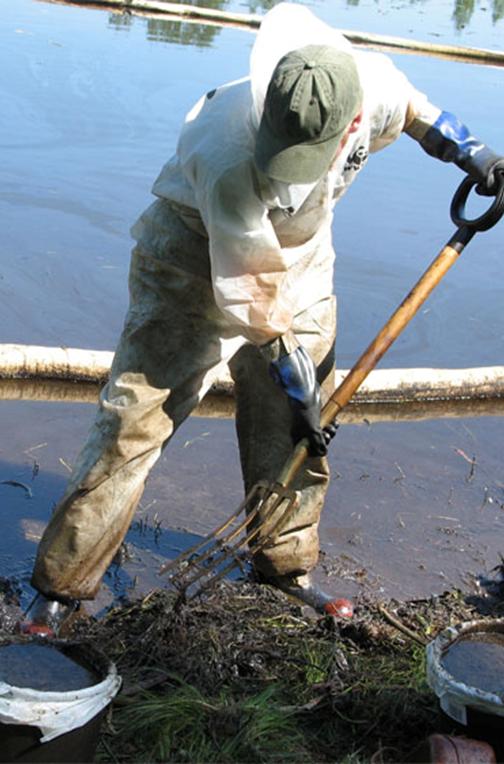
point(47, 618)
point(305, 590)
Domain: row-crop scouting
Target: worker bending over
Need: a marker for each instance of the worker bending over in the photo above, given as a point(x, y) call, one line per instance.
point(233, 264)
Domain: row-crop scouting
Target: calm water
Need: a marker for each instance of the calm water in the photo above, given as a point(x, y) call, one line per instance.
point(91, 109)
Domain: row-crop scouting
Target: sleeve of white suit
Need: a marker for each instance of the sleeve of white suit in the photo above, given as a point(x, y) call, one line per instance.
point(388, 97)
point(248, 265)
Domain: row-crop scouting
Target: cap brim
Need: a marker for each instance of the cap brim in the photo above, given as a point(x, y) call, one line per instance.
point(297, 163)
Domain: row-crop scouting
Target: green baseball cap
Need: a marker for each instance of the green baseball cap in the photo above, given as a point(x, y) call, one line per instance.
point(312, 97)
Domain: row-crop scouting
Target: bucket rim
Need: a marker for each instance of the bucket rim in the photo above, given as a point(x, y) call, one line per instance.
point(56, 713)
point(106, 668)
point(444, 683)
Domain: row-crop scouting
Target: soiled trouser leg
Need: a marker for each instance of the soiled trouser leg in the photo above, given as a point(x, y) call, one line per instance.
point(171, 340)
point(264, 422)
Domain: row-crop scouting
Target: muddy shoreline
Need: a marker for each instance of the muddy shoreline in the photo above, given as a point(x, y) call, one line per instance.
point(354, 690)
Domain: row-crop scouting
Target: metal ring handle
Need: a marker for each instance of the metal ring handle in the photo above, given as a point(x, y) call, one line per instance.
point(489, 218)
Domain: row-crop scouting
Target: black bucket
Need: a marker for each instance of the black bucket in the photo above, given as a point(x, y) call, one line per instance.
point(53, 696)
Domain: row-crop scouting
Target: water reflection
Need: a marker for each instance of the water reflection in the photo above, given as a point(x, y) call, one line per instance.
point(464, 10)
point(497, 10)
point(187, 32)
point(169, 30)
point(261, 6)
point(219, 403)
point(201, 35)
point(204, 34)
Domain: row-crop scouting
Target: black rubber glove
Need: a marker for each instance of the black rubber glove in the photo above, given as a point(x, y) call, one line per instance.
point(450, 140)
point(329, 431)
point(295, 372)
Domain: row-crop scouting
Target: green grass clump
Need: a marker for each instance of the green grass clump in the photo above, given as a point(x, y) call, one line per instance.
point(184, 726)
point(328, 701)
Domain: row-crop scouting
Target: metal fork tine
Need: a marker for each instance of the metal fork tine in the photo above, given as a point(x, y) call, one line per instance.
point(220, 546)
point(257, 548)
point(282, 495)
point(227, 551)
point(213, 535)
point(212, 580)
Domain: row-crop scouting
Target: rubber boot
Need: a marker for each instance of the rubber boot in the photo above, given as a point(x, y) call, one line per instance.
point(304, 589)
point(47, 618)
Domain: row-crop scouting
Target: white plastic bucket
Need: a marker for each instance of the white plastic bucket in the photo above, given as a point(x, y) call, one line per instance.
point(58, 726)
point(459, 700)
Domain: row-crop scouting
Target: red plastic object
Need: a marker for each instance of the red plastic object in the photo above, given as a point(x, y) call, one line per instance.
point(35, 630)
point(341, 608)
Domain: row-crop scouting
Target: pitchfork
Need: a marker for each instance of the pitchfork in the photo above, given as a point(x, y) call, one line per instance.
point(220, 552)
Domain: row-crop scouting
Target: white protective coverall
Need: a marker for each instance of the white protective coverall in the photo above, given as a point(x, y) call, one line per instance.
point(226, 260)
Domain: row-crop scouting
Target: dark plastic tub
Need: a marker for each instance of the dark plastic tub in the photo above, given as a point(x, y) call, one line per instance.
point(21, 743)
point(81, 708)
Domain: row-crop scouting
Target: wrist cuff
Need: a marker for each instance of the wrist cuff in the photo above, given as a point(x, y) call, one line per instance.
point(279, 347)
point(450, 141)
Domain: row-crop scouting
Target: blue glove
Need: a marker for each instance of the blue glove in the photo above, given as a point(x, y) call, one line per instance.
point(450, 140)
point(295, 372)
